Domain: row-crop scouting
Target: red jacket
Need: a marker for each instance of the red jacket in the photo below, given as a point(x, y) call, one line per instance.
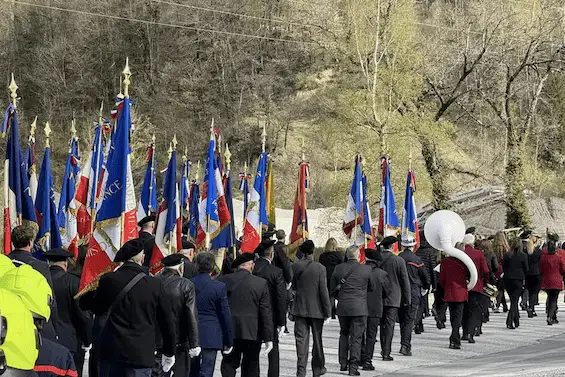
point(453, 276)
point(480, 262)
point(552, 270)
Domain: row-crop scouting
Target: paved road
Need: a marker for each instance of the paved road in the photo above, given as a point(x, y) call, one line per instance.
point(532, 350)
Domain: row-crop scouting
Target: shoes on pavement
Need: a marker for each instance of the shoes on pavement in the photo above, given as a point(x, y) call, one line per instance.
point(511, 327)
point(404, 350)
point(549, 322)
point(505, 310)
point(471, 339)
point(388, 358)
point(368, 366)
point(454, 346)
point(478, 331)
point(465, 337)
point(417, 330)
point(343, 368)
point(534, 313)
point(354, 372)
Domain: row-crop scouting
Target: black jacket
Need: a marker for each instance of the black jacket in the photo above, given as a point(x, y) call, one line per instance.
point(277, 289)
point(352, 297)
point(250, 305)
point(189, 269)
point(281, 261)
point(429, 257)
point(492, 263)
point(129, 335)
point(417, 273)
point(74, 324)
point(309, 283)
point(515, 266)
point(54, 360)
point(376, 298)
point(395, 267)
point(148, 244)
point(181, 295)
point(330, 259)
point(20, 257)
point(533, 262)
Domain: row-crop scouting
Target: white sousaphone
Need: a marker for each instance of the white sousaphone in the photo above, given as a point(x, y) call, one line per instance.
point(443, 229)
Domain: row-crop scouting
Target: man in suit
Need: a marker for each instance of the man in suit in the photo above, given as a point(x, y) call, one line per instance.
point(277, 289)
point(474, 306)
point(250, 304)
point(214, 317)
point(311, 307)
point(74, 324)
point(349, 284)
point(188, 251)
point(127, 340)
point(400, 293)
point(23, 238)
point(179, 292)
point(147, 236)
point(375, 301)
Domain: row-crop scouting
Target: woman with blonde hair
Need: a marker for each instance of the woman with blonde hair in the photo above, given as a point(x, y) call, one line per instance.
point(330, 258)
point(500, 247)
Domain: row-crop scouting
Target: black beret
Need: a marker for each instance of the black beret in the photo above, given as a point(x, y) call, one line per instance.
point(58, 255)
point(526, 233)
point(553, 237)
point(242, 258)
point(470, 230)
point(373, 255)
point(146, 220)
point(307, 247)
point(173, 260)
point(389, 240)
point(263, 246)
point(186, 244)
point(129, 250)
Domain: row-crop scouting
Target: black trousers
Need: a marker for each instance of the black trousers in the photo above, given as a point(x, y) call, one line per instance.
point(78, 358)
point(244, 353)
point(501, 298)
point(387, 328)
point(455, 317)
point(369, 340)
point(472, 313)
point(533, 285)
point(440, 306)
point(551, 305)
point(93, 362)
point(422, 310)
point(274, 360)
point(485, 305)
point(514, 289)
point(407, 316)
point(350, 338)
point(302, 328)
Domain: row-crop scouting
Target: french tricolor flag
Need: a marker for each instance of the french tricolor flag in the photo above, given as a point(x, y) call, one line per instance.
point(389, 225)
point(256, 215)
point(410, 228)
point(353, 218)
point(148, 199)
point(67, 214)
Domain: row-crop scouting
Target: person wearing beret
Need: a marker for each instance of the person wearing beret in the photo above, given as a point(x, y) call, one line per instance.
point(310, 308)
point(147, 236)
point(400, 293)
point(126, 342)
point(74, 324)
point(264, 268)
point(180, 294)
point(188, 251)
point(214, 317)
point(375, 301)
point(251, 311)
point(349, 284)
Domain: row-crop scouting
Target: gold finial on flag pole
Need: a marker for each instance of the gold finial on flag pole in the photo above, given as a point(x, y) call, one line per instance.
point(227, 156)
point(264, 137)
point(73, 128)
point(47, 130)
point(175, 142)
point(13, 90)
point(32, 129)
point(127, 74)
point(100, 118)
point(153, 140)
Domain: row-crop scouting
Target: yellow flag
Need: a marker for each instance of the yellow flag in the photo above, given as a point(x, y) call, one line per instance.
point(270, 188)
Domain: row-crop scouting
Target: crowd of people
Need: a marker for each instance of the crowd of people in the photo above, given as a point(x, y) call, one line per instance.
point(176, 322)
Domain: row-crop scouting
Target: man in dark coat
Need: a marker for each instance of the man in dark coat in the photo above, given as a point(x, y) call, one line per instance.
point(400, 294)
point(179, 292)
point(419, 281)
point(429, 257)
point(74, 324)
point(375, 301)
point(188, 251)
point(214, 317)
point(350, 283)
point(127, 340)
point(250, 304)
point(23, 238)
point(474, 307)
point(281, 259)
point(330, 259)
point(311, 307)
point(147, 236)
point(277, 289)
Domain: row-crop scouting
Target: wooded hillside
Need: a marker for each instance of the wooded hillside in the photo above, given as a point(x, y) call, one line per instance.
point(472, 89)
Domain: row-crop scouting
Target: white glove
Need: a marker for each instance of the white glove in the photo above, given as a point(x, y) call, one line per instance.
point(280, 330)
point(87, 348)
point(288, 286)
point(167, 362)
point(268, 347)
point(227, 351)
point(327, 321)
point(194, 352)
point(423, 292)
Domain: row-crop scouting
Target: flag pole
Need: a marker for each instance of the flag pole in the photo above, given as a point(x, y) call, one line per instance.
point(96, 172)
point(364, 196)
point(263, 148)
point(302, 188)
point(127, 74)
point(47, 131)
point(14, 95)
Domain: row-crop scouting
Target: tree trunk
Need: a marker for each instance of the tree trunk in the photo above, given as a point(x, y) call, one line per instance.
point(516, 205)
point(436, 171)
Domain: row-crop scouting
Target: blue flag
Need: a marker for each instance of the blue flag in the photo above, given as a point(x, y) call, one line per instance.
point(148, 200)
point(194, 201)
point(226, 237)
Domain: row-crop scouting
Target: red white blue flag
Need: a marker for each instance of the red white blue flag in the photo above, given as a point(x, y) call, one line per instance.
point(116, 217)
point(410, 228)
point(389, 225)
point(353, 218)
point(31, 166)
point(18, 203)
point(184, 189)
point(256, 216)
point(67, 211)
